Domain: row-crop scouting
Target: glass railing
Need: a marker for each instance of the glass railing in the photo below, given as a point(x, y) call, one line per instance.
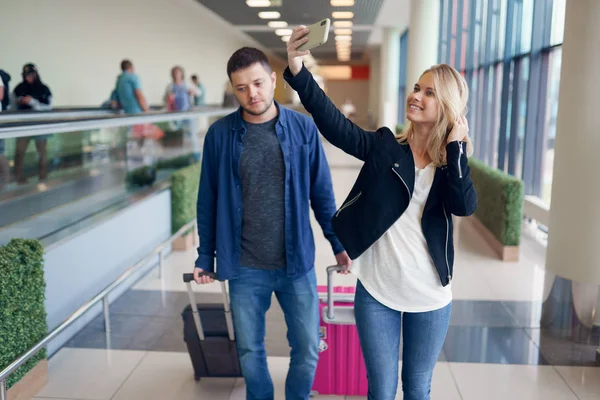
point(58, 174)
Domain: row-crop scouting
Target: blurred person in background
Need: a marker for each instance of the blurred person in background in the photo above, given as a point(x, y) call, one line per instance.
point(129, 98)
point(200, 96)
point(31, 94)
point(178, 97)
point(229, 99)
point(128, 90)
point(348, 109)
point(4, 95)
point(4, 90)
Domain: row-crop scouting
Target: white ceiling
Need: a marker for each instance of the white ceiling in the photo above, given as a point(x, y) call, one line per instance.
point(370, 17)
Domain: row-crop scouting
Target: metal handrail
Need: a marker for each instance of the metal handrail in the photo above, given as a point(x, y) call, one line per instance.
point(107, 121)
point(102, 296)
point(111, 120)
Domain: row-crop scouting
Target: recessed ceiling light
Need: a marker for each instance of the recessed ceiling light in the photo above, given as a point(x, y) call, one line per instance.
point(277, 24)
point(343, 31)
point(342, 24)
point(342, 14)
point(342, 3)
point(285, 39)
point(343, 38)
point(269, 15)
point(283, 32)
point(258, 3)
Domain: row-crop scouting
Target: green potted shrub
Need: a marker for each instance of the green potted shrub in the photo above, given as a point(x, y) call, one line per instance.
point(499, 213)
point(184, 195)
point(22, 314)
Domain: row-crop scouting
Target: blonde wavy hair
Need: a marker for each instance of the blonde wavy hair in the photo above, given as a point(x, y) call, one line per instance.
point(452, 95)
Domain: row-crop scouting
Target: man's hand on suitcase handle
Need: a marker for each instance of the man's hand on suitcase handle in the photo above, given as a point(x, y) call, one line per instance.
point(202, 277)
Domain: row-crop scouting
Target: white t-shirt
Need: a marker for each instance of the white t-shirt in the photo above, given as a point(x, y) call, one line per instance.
point(397, 270)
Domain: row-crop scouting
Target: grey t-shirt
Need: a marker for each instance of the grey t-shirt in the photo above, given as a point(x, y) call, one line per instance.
point(262, 172)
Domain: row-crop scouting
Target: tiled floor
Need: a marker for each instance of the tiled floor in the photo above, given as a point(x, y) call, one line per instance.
point(495, 348)
point(94, 374)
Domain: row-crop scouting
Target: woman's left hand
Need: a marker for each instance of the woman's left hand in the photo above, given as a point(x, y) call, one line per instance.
point(459, 131)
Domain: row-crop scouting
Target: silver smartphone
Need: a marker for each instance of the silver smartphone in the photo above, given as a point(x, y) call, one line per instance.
point(317, 35)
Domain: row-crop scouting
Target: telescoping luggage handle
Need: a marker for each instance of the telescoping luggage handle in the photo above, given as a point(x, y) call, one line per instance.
point(188, 279)
point(344, 314)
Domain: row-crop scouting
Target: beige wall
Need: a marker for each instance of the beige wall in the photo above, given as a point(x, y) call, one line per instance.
point(78, 45)
point(356, 90)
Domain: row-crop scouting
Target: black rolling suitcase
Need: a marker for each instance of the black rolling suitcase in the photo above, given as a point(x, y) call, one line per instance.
point(209, 335)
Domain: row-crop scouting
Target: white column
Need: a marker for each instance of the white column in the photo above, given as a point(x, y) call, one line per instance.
point(374, 84)
point(423, 38)
point(574, 237)
point(389, 78)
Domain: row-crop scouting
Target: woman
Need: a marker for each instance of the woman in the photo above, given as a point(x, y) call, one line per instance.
point(178, 97)
point(31, 94)
point(397, 221)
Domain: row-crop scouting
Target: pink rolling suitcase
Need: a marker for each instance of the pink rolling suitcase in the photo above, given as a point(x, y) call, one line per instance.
point(341, 367)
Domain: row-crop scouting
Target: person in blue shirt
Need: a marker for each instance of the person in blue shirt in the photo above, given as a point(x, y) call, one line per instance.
point(128, 90)
point(263, 169)
point(128, 96)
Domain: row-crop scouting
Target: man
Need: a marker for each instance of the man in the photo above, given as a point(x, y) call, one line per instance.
point(128, 90)
point(262, 166)
point(128, 96)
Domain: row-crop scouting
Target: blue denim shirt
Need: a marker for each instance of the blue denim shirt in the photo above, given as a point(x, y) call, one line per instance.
point(307, 184)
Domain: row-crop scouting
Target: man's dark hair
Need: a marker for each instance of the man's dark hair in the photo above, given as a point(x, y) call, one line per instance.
point(246, 57)
point(195, 77)
point(125, 65)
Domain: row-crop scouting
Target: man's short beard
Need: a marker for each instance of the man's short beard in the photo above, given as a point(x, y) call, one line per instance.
point(256, 114)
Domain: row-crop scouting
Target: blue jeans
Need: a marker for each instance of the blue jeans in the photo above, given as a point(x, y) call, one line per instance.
point(251, 296)
point(379, 333)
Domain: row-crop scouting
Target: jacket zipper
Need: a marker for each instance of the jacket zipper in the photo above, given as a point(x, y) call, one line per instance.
point(348, 204)
point(405, 185)
point(460, 149)
point(447, 238)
